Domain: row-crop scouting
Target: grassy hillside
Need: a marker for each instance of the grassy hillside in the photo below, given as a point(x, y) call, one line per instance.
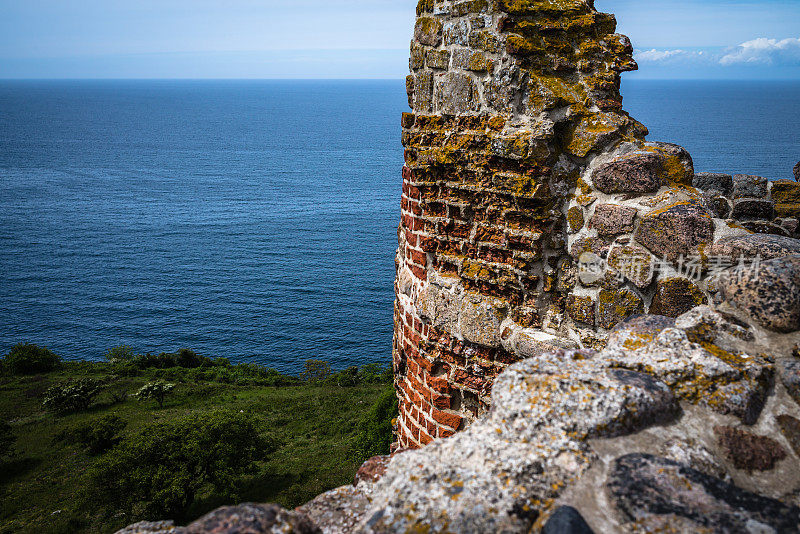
point(313, 434)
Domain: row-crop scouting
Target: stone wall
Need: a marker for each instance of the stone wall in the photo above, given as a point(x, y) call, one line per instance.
point(535, 215)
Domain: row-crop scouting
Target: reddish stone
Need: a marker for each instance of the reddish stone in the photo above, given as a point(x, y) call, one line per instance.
point(445, 432)
point(373, 469)
point(419, 272)
point(790, 427)
point(639, 172)
point(425, 438)
point(447, 419)
point(676, 296)
point(252, 518)
point(419, 257)
point(441, 402)
point(611, 219)
point(676, 230)
point(439, 384)
point(748, 451)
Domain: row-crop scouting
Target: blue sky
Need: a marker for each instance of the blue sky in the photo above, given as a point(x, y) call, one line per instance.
point(356, 38)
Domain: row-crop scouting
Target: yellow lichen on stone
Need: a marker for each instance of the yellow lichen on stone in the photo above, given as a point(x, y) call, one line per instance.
point(529, 7)
point(593, 131)
point(575, 218)
point(424, 6)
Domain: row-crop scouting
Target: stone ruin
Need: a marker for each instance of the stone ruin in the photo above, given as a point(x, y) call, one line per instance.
point(589, 336)
point(522, 172)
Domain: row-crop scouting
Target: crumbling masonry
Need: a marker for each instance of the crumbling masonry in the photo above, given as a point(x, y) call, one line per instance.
point(522, 171)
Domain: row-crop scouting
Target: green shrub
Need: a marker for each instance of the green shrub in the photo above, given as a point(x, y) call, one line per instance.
point(375, 434)
point(118, 395)
point(372, 373)
point(72, 396)
point(155, 361)
point(97, 436)
point(122, 353)
point(124, 368)
point(376, 373)
point(348, 378)
point(155, 390)
point(6, 439)
point(242, 374)
point(189, 359)
point(30, 359)
point(163, 469)
point(315, 371)
point(166, 367)
point(184, 358)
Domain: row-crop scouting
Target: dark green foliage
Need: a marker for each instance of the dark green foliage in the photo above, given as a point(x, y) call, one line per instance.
point(375, 373)
point(30, 359)
point(189, 359)
point(162, 469)
point(348, 378)
point(72, 396)
point(97, 435)
point(315, 371)
point(6, 439)
point(121, 354)
point(375, 434)
point(184, 358)
point(242, 374)
point(187, 365)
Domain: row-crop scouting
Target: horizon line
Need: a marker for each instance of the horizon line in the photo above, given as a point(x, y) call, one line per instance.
point(400, 78)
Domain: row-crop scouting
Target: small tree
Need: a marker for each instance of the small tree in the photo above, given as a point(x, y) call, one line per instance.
point(72, 396)
point(316, 371)
point(30, 359)
point(155, 390)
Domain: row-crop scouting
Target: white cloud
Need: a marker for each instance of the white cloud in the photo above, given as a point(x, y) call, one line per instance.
point(764, 51)
point(664, 56)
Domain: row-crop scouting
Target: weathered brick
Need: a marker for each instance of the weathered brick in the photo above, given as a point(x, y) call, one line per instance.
point(447, 419)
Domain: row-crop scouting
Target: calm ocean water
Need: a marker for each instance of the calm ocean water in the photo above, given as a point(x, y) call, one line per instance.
point(256, 220)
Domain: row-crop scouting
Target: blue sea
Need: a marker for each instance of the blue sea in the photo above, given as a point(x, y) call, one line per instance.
point(256, 220)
